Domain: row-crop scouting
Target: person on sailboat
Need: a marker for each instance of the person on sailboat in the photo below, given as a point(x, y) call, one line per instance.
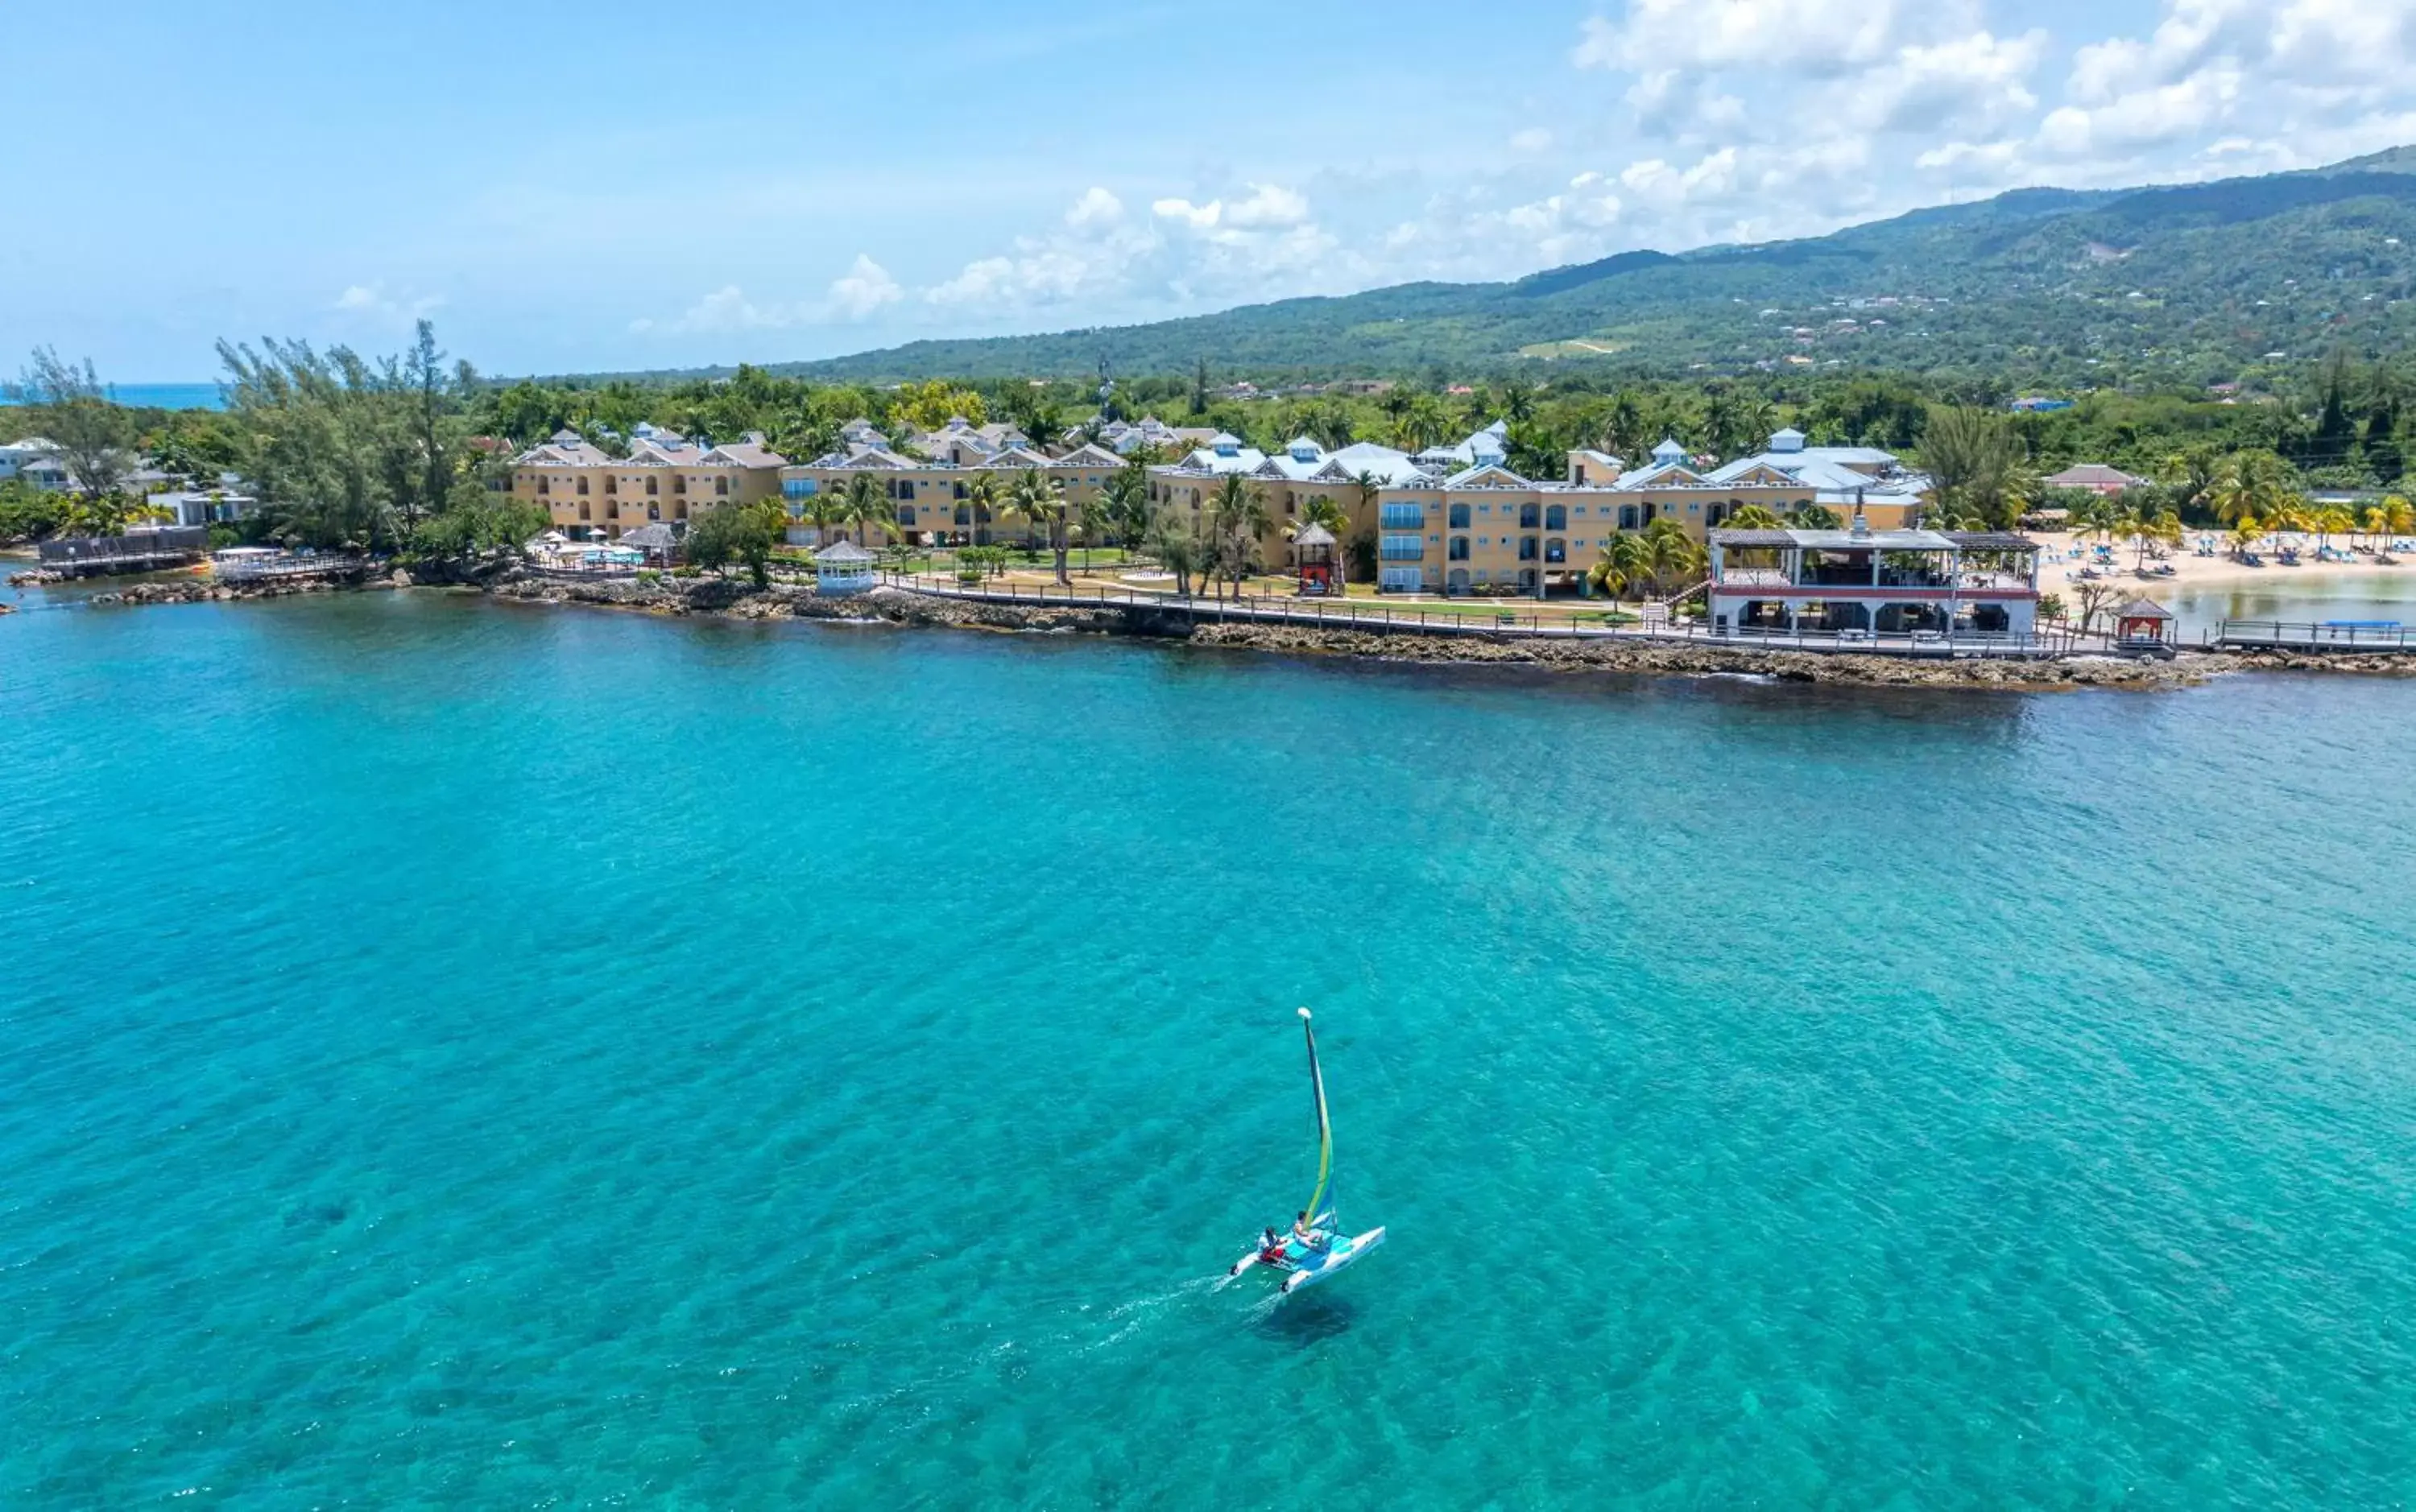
point(1312, 1239)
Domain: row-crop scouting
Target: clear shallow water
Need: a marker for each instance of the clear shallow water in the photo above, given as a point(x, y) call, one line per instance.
point(462, 1055)
point(165, 396)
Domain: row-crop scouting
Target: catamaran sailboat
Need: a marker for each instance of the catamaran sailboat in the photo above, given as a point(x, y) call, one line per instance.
point(1312, 1251)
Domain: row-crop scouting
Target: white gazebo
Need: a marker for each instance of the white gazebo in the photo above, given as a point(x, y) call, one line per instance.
point(842, 567)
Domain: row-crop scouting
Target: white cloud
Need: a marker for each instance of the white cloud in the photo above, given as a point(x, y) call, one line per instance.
point(371, 303)
point(1200, 216)
point(864, 287)
point(1268, 204)
point(1694, 121)
point(1096, 208)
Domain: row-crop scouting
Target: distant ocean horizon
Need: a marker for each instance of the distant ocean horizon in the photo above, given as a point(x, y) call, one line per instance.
point(162, 395)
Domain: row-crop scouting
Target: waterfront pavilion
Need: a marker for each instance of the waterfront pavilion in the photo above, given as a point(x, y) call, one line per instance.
point(1860, 582)
point(1314, 549)
point(842, 567)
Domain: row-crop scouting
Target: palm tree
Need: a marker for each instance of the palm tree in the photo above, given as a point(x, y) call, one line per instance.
point(826, 510)
point(1669, 553)
point(2399, 515)
point(1323, 510)
point(1126, 496)
point(866, 503)
point(983, 498)
point(1094, 516)
point(2377, 521)
point(1175, 545)
point(1751, 517)
point(2250, 483)
point(1814, 518)
point(1978, 462)
point(2332, 518)
point(1042, 502)
point(1237, 518)
point(1624, 565)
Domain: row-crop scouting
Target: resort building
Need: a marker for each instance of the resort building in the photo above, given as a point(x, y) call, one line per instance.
point(2096, 477)
point(932, 496)
point(1456, 520)
point(666, 477)
point(36, 459)
point(1861, 581)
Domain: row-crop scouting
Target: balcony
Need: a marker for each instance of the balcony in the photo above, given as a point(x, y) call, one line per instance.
point(1403, 548)
point(1404, 516)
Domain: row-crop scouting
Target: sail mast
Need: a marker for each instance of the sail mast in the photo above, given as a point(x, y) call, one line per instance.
point(1325, 1128)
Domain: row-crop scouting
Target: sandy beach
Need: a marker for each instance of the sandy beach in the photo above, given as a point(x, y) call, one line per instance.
point(2059, 571)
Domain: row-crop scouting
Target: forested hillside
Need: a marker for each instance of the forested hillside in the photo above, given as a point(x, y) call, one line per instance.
point(2197, 283)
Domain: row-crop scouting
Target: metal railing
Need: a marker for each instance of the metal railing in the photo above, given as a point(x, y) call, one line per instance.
point(1507, 620)
point(2331, 635)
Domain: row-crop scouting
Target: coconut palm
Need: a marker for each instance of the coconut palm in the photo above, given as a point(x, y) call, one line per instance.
point(2330, 520)
point(1175, 545)
point(865, 506)
point(2377, 521)
point(1624, 565)
point(1127, 497)
point(2399, 515)
point(1237, 518)
point(1093, 518)
point(1814, 518)
point(1042, 502)
point(2250, 483)
point(1323, 510)
point(1671, 555)
point(825, 511)
point(1751, 517)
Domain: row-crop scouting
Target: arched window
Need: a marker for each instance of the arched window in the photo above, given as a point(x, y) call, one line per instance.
point(1459, 517)
point(1529, 516)
point(1556, 518)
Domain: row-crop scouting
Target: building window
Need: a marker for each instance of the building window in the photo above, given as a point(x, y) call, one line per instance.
point(1404, 516)
point(611, 485)
point(1556, 518)
point(961, 492)
point(679, 483)
point(654, 486)
point(583, 488)
point(721, 488)
point(544, 485)
point(1525, 548)
point(1529, 515)
point(1459, 517)
point(582, 513)
point(1459, 548)
point(906, 516)
point(1628, 517)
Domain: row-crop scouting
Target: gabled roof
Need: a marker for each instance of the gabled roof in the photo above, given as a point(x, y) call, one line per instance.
point(749, 454)
point(1663, 475)
point(1485, 475)
point(1090, 454)
point(1015, 456)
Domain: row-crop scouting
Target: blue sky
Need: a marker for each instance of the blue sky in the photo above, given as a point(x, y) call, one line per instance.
point(606, 185)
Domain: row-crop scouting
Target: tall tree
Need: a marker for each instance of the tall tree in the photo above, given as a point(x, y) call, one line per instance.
point(95, 437)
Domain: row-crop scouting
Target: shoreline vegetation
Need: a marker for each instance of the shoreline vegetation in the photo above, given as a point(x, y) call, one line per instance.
point(735, 599)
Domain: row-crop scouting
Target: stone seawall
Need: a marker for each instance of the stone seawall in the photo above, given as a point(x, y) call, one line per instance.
point(736, 599)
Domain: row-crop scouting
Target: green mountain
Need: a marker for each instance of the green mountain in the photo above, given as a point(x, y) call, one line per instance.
point(2198, 281)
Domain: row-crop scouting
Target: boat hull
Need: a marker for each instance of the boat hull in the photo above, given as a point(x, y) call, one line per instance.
point(1333, 1262)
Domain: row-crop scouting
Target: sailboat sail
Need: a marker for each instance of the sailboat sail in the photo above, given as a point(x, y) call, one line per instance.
point(1315, 1251)
point(1325, 1126)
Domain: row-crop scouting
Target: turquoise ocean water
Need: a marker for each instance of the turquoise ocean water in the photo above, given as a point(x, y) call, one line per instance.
point(166, 396)
point(459, 1055)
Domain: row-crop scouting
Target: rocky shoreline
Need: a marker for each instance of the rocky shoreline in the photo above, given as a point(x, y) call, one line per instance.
point(735, 599)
